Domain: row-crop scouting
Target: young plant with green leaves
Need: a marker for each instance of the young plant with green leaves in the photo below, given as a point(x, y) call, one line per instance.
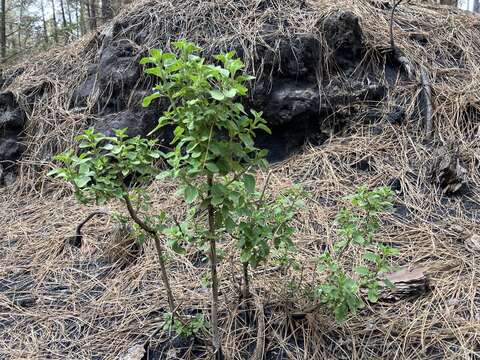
point(214, 159)
point(180, 328)
point(264, 224)
point(99, 174)
point(357, 226)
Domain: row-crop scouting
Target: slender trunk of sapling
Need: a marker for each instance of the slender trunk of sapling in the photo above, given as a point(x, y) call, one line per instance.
point(217, 344)
point(158, 246)
point(246, 286)
point(161, 260)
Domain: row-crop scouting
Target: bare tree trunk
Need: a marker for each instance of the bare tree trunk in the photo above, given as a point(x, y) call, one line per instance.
point(45, 31)
point(65, 30)
point(107, 10)
point(83, 27)
point(93, 15)
point(13, 45)
point(64, 19)
point(87, 7)
point(20, 23)
point(3, 32)
point(69, 12)
point(54, 20)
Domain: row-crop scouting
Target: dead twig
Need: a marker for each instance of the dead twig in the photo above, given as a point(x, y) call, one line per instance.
point(76, 240)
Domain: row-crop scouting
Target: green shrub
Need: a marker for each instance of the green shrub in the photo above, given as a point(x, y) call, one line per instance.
point(214, 159)
point(98, 175)
point(357, 226)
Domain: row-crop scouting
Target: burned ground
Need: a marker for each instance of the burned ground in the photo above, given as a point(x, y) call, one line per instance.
point(343, 112)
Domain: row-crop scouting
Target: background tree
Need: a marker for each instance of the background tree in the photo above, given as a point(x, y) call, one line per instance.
point(3, 31)
point(107, 11)
point(31, 25)
point(93, 14)
point(54, 22)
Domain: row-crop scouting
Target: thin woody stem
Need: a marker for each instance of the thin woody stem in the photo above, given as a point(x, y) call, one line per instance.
point(158, 246)
point(213, 269)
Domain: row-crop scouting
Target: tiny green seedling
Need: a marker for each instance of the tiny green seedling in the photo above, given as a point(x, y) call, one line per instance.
point(192, 328)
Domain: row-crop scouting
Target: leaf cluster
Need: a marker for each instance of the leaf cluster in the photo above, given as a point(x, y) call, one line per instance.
point(214, 138)
point(98, 173)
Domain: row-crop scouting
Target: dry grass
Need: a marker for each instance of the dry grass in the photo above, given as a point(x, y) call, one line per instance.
point(75, 304)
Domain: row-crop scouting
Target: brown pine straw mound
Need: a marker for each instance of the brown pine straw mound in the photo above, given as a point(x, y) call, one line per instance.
point(60, 302)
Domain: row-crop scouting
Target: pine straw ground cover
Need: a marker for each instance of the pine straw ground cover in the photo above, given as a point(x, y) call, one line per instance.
point(58, 301)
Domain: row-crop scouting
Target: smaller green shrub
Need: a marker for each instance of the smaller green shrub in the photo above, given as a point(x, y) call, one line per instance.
point(98, 174)
point(357, 226)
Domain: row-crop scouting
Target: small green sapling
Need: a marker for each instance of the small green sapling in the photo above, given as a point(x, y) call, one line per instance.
point(357, 226)
point(98, 174)
point(214, 159)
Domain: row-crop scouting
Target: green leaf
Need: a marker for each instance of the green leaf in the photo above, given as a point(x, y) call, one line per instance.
point(373, 295)
point(371, 256)
point(249, 182)
point(108, 146)
point(212, 167)
point(245, 257)
point(190, 194)
point(229, 224)
point(389, 284)
point(362, 270)
point(55, 172)
point(230, 93)
point(247, 139)
point(217, 95)
point(341, 312)
point(154, 71)
point(264, 128)
point(156, 53)
point(358, 238)
point(339, 245)
point(175, 246)
point(147, 60)
point(81, 181)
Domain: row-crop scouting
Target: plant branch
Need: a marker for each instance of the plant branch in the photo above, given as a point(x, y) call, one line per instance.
point(213, 269)
point(260, 347)
point(396, 3)
point(427, 92)
point(158, 246)
point(246, 285)
point(260, 201)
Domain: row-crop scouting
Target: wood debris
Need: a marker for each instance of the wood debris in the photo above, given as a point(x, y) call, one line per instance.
point(447, 172)
point(136, 352)
point(408, 282)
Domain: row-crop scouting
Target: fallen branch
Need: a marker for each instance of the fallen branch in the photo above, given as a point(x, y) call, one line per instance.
point(76, 240)
point(397, 53)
